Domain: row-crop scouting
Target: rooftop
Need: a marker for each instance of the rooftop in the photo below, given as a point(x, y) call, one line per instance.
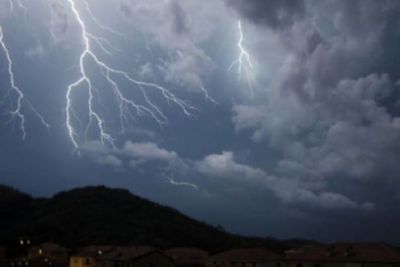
point(126, 253)
point(246, 254)
point(50, 246)
point(356, 252)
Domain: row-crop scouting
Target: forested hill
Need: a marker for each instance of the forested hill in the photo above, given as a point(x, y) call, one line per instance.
point(99, 215)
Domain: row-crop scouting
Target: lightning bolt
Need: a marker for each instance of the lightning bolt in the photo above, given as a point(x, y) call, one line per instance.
point(16, 112)
point(99, 24)
point(202, 88)
point(171, 180)
point(243, 62)
point(125, 104)
point(207, 96)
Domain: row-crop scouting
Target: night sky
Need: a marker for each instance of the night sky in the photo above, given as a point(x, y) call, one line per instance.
point(269, 117)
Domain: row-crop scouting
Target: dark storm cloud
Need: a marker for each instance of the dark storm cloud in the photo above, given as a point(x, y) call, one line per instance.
point(61, 16)
point(274, 13)
point(179, 18)
point(318, 143)
point(125, 10)
point(331, 111)
point(333, 127)
point(179, 28)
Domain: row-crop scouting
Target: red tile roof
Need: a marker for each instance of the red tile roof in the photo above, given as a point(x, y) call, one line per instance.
point(126, 253)
point(187, 256)
point(195, 251)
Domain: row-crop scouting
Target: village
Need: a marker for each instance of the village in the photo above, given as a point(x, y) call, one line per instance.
point(333, 255)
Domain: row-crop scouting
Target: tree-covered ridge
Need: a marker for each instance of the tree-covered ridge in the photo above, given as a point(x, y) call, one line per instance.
point(99, 215)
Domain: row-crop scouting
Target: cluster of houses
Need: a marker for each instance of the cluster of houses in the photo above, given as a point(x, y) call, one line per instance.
point(334, 255)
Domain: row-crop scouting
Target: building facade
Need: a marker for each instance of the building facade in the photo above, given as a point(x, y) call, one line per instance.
point(88, 256)
point(135, 257)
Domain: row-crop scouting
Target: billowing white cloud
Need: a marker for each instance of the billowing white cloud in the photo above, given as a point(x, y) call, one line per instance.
point(178, 27)
point(224, 165)
point(136, 155)
point(289, 191)
point(109, 160)
point(277, 14)
point(326, 105)
point(102, 155)
point(148, 152)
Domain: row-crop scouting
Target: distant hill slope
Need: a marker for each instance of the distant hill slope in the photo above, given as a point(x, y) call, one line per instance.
point(15, 207)
point(99, 215)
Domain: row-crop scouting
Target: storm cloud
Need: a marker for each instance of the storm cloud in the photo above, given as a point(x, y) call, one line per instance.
point(316, 142)
point(277, 14)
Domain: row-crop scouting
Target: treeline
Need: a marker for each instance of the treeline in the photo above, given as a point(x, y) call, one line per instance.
point(99, 215)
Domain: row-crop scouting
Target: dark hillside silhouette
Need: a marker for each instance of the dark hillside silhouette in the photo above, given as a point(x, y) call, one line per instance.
point(99, 215)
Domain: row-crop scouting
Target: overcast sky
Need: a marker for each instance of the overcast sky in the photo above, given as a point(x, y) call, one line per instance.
point(273, 118)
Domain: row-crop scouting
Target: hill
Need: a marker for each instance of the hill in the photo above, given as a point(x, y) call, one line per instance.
point(99, 215)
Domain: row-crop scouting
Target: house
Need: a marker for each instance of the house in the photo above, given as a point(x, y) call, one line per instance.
point(88, 256)
point(151, 259)
point(49, 250)
point(134, 257)
point(245, 257)
point(188, 257)
point(344, 255)
point(117, 256)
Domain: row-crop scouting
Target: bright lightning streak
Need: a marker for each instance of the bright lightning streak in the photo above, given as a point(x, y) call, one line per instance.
point(99, 24)
point(17, 111)
point(207, 96)
point(171, 180)
point(108, 72)
point(202, 88)
point(243, 62)
point(20, 96)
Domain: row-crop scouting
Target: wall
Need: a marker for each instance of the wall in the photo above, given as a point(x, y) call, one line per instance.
point(82, 262)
